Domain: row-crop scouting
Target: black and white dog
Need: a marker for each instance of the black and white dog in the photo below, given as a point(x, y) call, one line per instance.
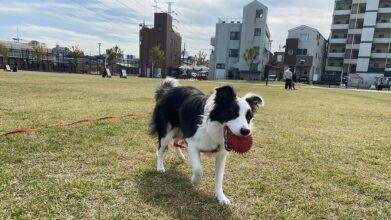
point(187, 113)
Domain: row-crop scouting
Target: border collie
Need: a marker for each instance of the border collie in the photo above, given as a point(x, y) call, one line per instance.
point(185, 113)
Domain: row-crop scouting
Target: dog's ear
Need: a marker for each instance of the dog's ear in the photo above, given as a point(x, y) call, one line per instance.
point(254, 101)
point(225, 94)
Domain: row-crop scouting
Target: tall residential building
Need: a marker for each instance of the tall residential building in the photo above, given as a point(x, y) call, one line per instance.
point(163, 35)
point(359, 45)
point(305, 52)
point(233, 37)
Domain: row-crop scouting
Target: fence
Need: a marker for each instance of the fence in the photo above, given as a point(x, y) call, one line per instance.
point(23, 60)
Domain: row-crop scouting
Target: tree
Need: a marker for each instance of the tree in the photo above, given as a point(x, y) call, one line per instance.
point(200, 59)
point(114, 54)
point(156, 56)
point(38, 53)
point(75, 52)
point(3, 52)
point(250, 56)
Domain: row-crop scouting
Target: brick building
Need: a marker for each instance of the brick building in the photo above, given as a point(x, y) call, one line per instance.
point(163, 35)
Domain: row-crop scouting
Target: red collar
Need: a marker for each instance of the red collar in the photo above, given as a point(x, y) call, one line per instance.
point(177, 145)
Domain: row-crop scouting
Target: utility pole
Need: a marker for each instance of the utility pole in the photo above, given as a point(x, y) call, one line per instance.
point(99, 59)
point(170, 7)
point(184, 51)
point(156, 6)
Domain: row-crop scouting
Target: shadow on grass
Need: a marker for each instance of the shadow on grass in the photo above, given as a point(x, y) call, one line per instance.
point(174, 193)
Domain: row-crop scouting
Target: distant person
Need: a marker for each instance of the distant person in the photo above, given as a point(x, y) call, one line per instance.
point(288, 78)
point(267, 74)
point(294, 78)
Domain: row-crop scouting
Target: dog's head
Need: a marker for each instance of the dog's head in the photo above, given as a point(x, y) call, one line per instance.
point(235, 112)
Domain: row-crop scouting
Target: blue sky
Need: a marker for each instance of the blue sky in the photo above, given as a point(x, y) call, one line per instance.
point(116, 22)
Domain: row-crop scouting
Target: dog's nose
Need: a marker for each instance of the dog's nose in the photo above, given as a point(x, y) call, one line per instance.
point(244, 131)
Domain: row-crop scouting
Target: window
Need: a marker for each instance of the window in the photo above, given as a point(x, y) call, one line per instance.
point(302, 52)
point(220, 66)
point(362, 8)
point(233, 53)
point(304, 38)
point(159, 27)
point(259, 13)
point(257, 32)
point(256, 49)
point(235, 35)
point(279, 58)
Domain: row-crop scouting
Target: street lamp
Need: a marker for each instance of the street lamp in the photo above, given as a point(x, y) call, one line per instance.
point(99, 59)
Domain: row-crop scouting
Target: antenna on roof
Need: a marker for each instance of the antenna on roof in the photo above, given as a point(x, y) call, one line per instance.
point(170, 7)
point(156, 6)
point(17, 39)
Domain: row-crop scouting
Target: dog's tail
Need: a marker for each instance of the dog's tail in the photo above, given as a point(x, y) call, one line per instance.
point(167, 84)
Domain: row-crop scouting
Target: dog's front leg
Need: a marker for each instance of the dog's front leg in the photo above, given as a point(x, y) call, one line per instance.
point(194, 155)
point(220, 166)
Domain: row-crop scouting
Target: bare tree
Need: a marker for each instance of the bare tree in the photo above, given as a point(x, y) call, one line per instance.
point(38, 53)
point(250, 56)
point(114, 54)
point(156, 56)
point(75, 52)
point(200, 59)
point(3, 52)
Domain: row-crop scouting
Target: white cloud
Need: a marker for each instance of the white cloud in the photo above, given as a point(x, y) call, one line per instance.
point(116, 21)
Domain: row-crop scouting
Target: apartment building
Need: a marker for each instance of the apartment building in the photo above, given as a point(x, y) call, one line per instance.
point(233, 37)
point(305, 52)
point(359, 45)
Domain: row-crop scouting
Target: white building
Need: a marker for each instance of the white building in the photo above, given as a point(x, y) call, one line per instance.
point(305, 52)
point(360, 40)
point(233, 37)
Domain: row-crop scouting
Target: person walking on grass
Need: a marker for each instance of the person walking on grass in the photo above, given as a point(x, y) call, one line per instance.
point(294, 78)
point(288, 78)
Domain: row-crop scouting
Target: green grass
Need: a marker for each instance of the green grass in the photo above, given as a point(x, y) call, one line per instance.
point(318, 154)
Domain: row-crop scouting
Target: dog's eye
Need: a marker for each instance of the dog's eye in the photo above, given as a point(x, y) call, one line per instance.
point(249, 116)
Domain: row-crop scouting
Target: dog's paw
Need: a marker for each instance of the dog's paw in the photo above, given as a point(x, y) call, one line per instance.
point(223, 200)
point(182, 158)
point(161, 170)
point(195, 180)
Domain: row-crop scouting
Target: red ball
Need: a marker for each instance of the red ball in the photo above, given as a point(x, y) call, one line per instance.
point(239, 144)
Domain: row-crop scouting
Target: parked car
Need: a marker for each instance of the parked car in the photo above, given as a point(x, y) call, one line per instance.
point(304, 79)
point(272, 78)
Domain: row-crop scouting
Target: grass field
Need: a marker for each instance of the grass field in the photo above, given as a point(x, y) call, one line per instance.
point(318, 154)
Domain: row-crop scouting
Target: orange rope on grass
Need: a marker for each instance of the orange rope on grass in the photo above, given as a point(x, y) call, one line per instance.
point(64, 125)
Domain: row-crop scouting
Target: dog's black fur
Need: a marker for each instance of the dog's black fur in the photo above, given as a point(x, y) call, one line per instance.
point(183, 108)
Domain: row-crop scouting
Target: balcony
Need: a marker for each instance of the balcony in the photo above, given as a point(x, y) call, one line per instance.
point(357, 16)
point(353, 46)
point(340, 26)
point(384, 10)
point(338, 40)
point(381, 40)
point(381, 55)
point(355, 31)
point(342, 12)
point(213, 41)
point(383, 25)
point(375, 70)
point(334, 68)
point(350, 61)
point(337, 55)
